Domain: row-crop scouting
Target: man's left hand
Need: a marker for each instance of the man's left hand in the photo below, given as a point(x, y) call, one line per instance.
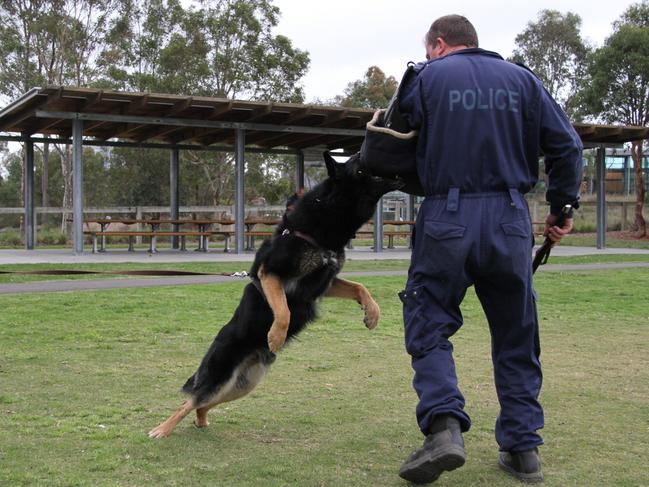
point(554, 232)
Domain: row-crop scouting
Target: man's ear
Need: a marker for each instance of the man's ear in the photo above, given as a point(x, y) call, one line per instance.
point(331, 164)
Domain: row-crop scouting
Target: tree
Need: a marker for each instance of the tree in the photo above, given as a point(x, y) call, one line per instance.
point(373, 91)
point(618, 88)
point(553, 48)
point(226, 48)
point(48, 42)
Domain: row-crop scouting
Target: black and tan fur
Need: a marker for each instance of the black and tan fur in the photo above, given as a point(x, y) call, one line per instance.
point(291, 271)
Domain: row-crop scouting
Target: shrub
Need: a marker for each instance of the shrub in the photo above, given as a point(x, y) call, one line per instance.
point(52, 237)
point(10, 238)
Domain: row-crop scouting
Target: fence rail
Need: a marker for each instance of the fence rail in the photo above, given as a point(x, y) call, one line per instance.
point(139, 209)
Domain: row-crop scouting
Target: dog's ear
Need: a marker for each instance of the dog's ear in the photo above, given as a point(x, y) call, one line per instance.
point(332, 165)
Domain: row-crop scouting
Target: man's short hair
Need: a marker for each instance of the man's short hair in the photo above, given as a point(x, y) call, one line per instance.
point(456, 30)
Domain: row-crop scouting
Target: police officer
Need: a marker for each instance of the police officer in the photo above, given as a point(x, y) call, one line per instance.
point(482, 124)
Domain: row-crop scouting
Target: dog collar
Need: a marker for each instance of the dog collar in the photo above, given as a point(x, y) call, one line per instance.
point(302, 235)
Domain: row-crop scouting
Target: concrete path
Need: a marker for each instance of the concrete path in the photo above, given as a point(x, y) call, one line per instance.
point(66, 256)
point(39, 256)
point(102, 284)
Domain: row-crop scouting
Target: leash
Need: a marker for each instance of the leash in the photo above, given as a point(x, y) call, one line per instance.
point(72, 272)
point(542, 255)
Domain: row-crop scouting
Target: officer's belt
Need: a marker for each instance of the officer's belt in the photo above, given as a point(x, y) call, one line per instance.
point(453, 197)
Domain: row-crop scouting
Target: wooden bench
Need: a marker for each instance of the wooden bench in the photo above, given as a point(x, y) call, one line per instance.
point(396, 233)
point(203, 236)
point(360, 232)
point(227, 234)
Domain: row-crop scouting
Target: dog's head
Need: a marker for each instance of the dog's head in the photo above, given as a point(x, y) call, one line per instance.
point(354, 176)
point(337, 207)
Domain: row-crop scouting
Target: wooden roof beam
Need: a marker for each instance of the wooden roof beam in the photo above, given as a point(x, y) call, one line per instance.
point(92, 100)
point(137, 104)
point(43, 124)
point(292, 140)
point(159, 133)
point(260, 113)
point(222, 135)
point(180, 107)
point(219, 110)
point(16, 119)
point(333, 142)
point(298, 115)
point(334, 117)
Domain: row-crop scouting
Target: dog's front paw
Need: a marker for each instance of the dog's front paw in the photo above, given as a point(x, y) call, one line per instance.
point(276, 338)
point(159, 432)
point(372, 314)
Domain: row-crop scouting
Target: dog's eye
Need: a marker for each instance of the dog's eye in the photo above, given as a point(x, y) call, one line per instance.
point(359, 172)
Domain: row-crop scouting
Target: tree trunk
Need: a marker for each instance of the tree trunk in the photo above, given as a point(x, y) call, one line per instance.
point(636, 153)
point(45, 177)
point(66, 172)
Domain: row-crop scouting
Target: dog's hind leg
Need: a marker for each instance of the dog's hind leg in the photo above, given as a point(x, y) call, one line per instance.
point(201, 417)
point(276, 298)
point(244, 379)
point(341, 288)
point(166, 427)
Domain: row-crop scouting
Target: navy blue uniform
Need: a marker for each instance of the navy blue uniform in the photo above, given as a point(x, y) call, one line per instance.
point(483, 123)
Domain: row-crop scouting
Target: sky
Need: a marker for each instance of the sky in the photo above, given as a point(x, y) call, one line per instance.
point(345, 37)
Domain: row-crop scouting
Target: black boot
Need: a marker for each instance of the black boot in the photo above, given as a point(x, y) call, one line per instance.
point(443, 450)
point(524, 465)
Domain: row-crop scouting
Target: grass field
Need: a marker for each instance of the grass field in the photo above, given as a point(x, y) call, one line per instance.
point(84, 376)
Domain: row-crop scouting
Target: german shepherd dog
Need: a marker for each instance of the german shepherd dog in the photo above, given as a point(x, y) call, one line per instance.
point(294, 268)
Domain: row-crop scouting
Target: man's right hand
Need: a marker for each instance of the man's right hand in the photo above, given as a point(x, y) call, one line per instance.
point(554, 232)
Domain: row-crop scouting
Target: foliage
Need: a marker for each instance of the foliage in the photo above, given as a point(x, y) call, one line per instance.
point(51, 42)
point(52, 237)
point(618, 85)
point(619, 77)
point(10, 238)
point(225, 48)
point(10, 182)
point(553, 48)
point(373, 91)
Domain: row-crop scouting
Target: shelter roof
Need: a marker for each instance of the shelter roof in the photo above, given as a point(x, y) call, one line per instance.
point(183, 119)
point(204, 121)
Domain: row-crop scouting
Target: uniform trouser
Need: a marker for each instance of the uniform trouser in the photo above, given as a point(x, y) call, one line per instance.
point(484, 239)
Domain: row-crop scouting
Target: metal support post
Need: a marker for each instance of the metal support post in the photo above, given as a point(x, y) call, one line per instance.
point(239, 210)
point(601, 197)
point(30, 220)
point(299, 170)
point(378, 227)
point(77, 184)
point(627, 177)
point(174, 192)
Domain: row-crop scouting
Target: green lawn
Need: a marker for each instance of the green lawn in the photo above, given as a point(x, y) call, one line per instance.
point(84, 376)
point(590, 240)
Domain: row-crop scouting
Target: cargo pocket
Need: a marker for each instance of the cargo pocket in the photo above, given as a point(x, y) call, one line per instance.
point(517, 228)
point(414, 321)
point(443, 230)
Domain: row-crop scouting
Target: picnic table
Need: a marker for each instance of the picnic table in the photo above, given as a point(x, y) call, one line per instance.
point(390, 233)
point(203, 231)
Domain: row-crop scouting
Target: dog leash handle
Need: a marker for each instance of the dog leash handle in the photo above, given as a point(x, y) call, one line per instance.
point(542, 255)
